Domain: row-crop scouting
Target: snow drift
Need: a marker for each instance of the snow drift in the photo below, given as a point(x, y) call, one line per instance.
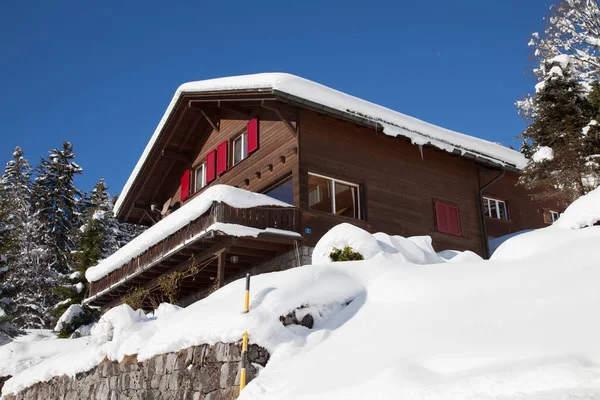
point(518, 327)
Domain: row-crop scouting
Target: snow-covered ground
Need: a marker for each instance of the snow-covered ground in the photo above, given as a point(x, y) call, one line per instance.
point(522, 325)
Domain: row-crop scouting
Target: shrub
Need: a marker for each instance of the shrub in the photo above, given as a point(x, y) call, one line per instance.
point(345, 254)
point(136, 297)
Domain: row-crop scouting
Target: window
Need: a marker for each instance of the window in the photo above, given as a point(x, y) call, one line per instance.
point(283, 191)
point(200, 177)
point(447, 219)
point(494, 208)
point(554, 215)
point(239, 148)
point(333, 196)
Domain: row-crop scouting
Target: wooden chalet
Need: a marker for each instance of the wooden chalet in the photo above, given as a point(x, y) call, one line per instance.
point(333, 157)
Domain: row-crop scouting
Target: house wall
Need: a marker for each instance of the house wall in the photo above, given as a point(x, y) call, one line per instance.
point(275, 141)
point(523, 212)
point(398, 187)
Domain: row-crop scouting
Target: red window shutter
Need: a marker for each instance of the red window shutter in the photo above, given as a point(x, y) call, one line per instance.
point(210, 166)
point(185, 185)
point(453, 220)
point(222, 158)
point(252, 136)
point(441, 218)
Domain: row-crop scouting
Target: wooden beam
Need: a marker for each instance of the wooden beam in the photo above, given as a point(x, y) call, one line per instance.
point(149, 216)
point(153, 165)
point(215, 125)
point(234, 108)
point(174, 155)
point(279, 114)
point(221, 270)
point(167, 172)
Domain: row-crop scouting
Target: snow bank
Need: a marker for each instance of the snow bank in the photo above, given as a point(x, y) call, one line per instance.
point(585, 211)
point(386, 328)
point(415, 250)
point(115, 321)
point(37, 346)
point(393, 122)
point(232, 196)
point(165, 309)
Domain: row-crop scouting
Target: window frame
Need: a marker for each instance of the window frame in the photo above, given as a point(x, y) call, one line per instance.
point(552, 213)
point(487, 201)
point(244, 139)
point(203, 180)
point(333, 208)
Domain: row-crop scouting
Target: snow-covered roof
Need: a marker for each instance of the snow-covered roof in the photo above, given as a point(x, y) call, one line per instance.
point(238, 198)
point(304, 90)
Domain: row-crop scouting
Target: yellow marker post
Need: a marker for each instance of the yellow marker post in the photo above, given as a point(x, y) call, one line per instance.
point(244, 360)
point(245, 337)
point(247, 298)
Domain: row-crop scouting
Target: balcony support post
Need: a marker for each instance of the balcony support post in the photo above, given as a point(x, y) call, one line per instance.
point(221, 269)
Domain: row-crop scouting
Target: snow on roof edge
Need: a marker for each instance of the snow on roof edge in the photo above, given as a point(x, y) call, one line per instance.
point(393, 122)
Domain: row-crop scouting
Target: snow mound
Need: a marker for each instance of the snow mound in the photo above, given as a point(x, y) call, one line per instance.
point(73, 312)
point(585, 211)
point(232, 196)
point(115, 321)
point(414, 250)
point(165, 309)
point(455, 256)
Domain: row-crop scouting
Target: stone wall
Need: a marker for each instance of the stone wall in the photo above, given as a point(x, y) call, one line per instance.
point(201, 372)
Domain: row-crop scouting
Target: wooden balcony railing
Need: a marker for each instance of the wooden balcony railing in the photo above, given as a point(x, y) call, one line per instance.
point(258, 217)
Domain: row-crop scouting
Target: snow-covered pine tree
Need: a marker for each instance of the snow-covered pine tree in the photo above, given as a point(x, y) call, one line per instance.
point(563, 140)
point(96, 237)
point(27, 282)
point(573, 29)
point(557, 138)
point(57, 204)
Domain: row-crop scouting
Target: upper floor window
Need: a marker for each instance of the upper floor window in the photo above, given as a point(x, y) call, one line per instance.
point(554, 215)
point(200, 177)
point(240, 147)
point(495, 208)
point(334, 196)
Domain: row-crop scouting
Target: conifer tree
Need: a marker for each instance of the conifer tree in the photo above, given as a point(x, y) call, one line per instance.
point(558, 139)
point(57, 204)
point(27, 282)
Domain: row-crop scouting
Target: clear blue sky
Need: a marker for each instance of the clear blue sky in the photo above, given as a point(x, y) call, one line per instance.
point(100, 74)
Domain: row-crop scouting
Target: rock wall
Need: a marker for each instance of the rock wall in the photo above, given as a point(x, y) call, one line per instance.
point(201, 372)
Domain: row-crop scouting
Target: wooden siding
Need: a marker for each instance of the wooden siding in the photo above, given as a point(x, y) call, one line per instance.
point(275, 158)
point(523, 212)
point(398, 187)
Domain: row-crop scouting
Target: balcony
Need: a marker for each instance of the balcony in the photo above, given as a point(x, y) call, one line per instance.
point(226, 241)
